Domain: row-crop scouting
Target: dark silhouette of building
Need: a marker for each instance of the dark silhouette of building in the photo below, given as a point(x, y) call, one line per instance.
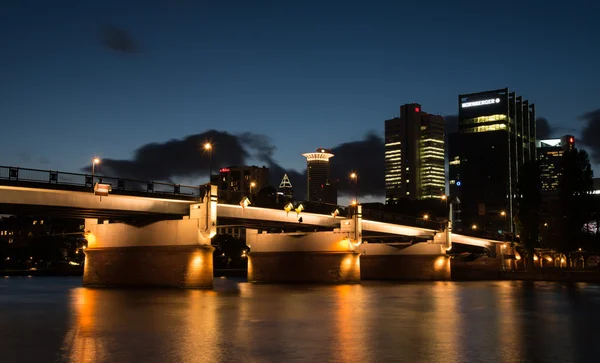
point(319, 188)
point(414, 155)
point(237, 181)
point(496, 137)
point(549, 153)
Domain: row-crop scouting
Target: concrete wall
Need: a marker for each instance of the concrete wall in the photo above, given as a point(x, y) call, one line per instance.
point(299, 242)
point(421, 261)
point(156, 266)
point(405, 267)
point(483, 268)
point(163, 233)
point(423, 248)
point(318, 267)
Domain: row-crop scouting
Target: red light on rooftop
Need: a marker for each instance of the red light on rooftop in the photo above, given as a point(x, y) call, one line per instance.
point(224, 170)
point(417, 109)
point(571, 140)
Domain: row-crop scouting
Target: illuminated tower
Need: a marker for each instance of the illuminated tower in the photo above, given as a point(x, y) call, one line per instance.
point(317, 173)
point(414, 155)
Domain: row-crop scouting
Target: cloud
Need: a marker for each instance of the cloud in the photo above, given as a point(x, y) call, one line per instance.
point(186, 159)
point(366, 158)
point(119, 40)
point(25, 157)
point(590, 135)
point(543, 129)
point(179, 158)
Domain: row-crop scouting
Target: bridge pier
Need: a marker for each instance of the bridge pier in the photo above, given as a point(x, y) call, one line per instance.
point(421, 261)
point(171, 253)
point(315, 257)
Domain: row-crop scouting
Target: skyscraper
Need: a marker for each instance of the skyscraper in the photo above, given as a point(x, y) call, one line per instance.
point(496, 136)
point(550, 154)
point(317, 173)
point(414, 155)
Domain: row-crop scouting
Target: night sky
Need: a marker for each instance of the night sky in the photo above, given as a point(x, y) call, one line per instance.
point(142, 83)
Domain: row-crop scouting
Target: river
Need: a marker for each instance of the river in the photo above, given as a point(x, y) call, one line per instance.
point(44, 319)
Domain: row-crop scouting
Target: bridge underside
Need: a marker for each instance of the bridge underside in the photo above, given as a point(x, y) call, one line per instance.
point(82, 213)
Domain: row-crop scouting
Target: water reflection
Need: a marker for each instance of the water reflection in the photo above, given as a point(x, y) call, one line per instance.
point(241, 322)
point(82, 342)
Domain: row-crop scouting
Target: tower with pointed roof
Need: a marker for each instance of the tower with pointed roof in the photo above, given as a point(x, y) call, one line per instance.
point(285, 187)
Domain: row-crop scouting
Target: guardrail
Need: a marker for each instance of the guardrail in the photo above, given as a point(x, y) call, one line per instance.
point(118, 185)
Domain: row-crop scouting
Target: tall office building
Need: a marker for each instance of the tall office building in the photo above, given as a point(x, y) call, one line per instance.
point(318, 184)
point(414, 155)
point(496, 136)
point(549, 153)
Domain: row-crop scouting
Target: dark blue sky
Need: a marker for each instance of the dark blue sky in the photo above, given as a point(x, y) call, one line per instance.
point(305, 73)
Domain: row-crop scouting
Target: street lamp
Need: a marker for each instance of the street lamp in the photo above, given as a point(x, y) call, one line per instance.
point(208, 148)
point(354, 176)
point(426, 216)
point(252, 185)
point(95, 161)
point(503, 214)
point(474, 227)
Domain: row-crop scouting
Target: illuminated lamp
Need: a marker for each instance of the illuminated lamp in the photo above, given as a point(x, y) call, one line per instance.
point(571, 140)
point(417, 109)
point(102, 189)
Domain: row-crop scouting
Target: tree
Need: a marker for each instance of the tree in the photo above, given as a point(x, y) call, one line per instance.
point(575, 199)
point(529, 203)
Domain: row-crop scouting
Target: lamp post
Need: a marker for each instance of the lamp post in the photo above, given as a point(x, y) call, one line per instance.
point(252, 185)
point(208, 148)
point(426, 217)
point(503, 214)
point(354, 176)
point(95, 161)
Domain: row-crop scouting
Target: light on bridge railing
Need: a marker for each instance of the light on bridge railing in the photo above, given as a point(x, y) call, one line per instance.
point(288, 208)
point(102, 189)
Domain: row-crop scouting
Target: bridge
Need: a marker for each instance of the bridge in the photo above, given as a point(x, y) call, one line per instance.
point(178, 215)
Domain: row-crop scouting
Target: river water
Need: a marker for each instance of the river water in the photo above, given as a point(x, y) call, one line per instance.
point(57, 320)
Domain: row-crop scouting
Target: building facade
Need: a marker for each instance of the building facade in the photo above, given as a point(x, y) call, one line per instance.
point(549, 153)
point(496, 136)
point(414, 155)
point(237, 181)
point(319, 188)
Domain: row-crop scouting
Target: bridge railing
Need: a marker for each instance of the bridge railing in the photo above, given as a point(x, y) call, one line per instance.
point(118, 185)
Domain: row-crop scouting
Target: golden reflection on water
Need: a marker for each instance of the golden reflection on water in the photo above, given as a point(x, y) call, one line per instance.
point(82, 342)
point(349, 340)
point(445, 322)
point(199, 338)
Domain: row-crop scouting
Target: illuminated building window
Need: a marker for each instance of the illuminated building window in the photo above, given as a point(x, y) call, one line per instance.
point(484, 119)
point(486, 128)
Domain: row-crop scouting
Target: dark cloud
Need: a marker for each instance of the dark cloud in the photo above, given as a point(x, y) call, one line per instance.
point(366, 158)
point(118, 40)
point(186, 158)
point(543, 129)
point(590, 135)
point(25, 157)
point(179, 158)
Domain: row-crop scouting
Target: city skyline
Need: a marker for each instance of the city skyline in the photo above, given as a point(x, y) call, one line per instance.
point(110, 83)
